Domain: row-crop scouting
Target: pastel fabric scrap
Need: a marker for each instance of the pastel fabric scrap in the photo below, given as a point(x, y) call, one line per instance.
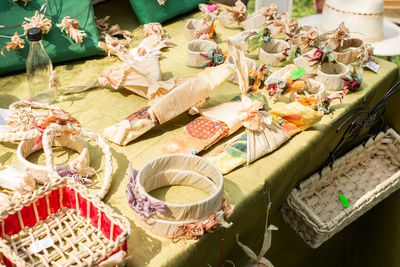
point(196, 136)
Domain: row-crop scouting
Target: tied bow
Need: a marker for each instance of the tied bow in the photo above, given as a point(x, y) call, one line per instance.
point(252, 117)
point(140, 204)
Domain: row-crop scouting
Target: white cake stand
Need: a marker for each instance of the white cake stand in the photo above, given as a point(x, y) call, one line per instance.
point(388, 46)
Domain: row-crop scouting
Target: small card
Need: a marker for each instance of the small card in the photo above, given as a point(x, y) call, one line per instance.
point(298, 73)
point(371, 65)
point(39, 245)
point(344, 201)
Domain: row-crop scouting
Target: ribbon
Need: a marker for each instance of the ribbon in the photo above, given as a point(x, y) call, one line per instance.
point(257, 38)
point(141, 205)
point(352, 81)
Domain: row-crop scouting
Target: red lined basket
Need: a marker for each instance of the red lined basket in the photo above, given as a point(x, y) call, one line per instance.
point(85, 231)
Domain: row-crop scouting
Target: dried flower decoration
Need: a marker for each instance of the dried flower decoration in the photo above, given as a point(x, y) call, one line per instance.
point(238, 12)
point(115, 30)
point(16, 43)
point(71, 27)
point(37, 21)
point(271, 12)
point(113, 46)
point(101, 23)
point(25, 1)
point(153, 28)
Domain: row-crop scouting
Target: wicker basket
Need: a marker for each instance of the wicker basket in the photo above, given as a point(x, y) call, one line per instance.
point(78, 228)
point(365, 176)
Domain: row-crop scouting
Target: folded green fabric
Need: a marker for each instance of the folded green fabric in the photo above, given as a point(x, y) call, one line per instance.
point(58, 45)
point(151, 11)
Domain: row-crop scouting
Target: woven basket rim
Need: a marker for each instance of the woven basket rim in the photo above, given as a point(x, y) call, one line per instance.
point(302, 209)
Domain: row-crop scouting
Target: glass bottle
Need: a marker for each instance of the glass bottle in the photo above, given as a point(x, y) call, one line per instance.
point(38, 69)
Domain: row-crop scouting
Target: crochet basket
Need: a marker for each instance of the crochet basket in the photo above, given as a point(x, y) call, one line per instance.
point(365, 176)
point(82, 230)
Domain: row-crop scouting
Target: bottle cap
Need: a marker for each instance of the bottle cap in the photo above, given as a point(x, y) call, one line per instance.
point(35, 34)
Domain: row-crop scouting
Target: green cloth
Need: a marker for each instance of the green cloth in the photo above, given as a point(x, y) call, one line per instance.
point(58, 45)
point(151, 11)
point(364, 243)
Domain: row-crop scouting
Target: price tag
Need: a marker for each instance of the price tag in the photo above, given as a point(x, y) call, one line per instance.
point(39, 245)
point(344, 201)
point(298, 73)
point(371, 65)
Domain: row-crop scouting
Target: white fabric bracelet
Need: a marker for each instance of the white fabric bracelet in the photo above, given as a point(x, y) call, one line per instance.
point(157, 173)
point(332, 74)
point(272, 52)
point(194, 50)
point(39, 172)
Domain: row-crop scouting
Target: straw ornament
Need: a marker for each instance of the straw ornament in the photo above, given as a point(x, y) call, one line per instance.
point(153, 28)
point(16, 43)
point(113, 46)
point(238, 12)
point(209, 12)
point(115, 30)
point(260, 260)
point(271, 12)
point(37, 21)
point(101, 23)
point(71, 27)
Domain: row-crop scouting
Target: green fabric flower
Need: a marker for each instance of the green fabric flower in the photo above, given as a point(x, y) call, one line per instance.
point(218, 58)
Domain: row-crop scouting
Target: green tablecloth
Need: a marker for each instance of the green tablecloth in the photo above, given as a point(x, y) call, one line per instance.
point(295, 160)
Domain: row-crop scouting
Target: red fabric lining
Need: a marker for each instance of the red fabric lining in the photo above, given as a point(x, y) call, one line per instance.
point(117, 231)
point(69, 198)
point(54, 201)
point(28, 216)
point(94, 215)
point(82, 205)
point(11, 225)
point(105, 225)
point(41, 208)
point(7, 262)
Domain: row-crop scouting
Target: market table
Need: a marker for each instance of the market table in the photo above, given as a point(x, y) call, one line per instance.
point(282, 169)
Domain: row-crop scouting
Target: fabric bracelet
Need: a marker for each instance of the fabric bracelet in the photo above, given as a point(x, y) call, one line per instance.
point(332, 74)
point(196, 167)
point(271, 53)
point(194, 51)
point(39, 172)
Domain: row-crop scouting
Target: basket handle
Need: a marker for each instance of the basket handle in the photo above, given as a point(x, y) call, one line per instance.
point(56, 129)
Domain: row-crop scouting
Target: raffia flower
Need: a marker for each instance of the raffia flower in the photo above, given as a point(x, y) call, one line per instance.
point(101, 23)
point(271, 11)
point(341, 33)
point(25, 1)
point(153, 28)
point(113, 75)
point(71, 27)
point(16, 43)
point(113, 46)
point(37, 21)
point(194, 230)
point(239, 11)
point(115, 30)
point(250, 115)
point(58, 118)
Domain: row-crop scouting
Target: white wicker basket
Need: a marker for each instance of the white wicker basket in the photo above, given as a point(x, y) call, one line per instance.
point(365, 176)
